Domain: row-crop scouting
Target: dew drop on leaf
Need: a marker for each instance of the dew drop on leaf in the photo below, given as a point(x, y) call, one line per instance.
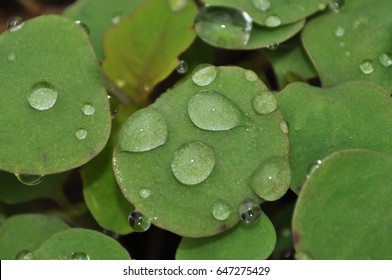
point(249, 211)
point(302, 256)
point(312, 167)
point(84, 26)
point(250, 76)
point(336, 6)
point(145, 193)
point(43, 96)
point(264, 103)
point(177, 5)
point(284, 127)
point(273, 47)
point(210, 110)
point(263, 5)
point(182, 67)
point(220, 211)
point(366, 66)
point(114, 106)
point(340, 31)
point(193, 163)
point(15, 24)
point(79, 255)
point(81, 134)
point(29, 180)
point(224, 27)
point(116, 19)
point(273, 21)
point(88, 109)
point(11, 57)
point(138, 221)
point(385, 59)
point(24, 255)
point(204, 74)
point(143, 131)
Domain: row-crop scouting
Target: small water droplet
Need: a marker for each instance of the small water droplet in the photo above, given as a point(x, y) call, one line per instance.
point(193, 163)
point(273, 46)
point(360, 22)
point(340, 31)
point(116, 19)
point(250, 75)
point(88, 109)
point(302, 256)
point(24, 255)
point(313, 167)
point(336, 6)
point(120, 83)
point(342, 44)
point(11, 57)
point(143, 131)
point(264, 103)
point(263, 5)
point(177, 5)
point(385, 59)
point(43, 96)
point(273, 21)
point(114, 106)
point(210, 110)
point(78, 255)
point(204, 74)
point(223, 26)
point(249, 211)
point(322, 6)
point(145, 193)
point(84, 26)
point(182, 67)
point(284, 127)
point(347, 54)
point(81, 134)
point(15, 24)
point(366, 66)
point(138, 221)
point(220, 211)
point(29, 180)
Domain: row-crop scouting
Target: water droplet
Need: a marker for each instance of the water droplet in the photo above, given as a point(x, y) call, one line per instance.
point(264, 103)
point(313, 167)
point(81, 134)
point(263, 5)
point(204, 74)
point(193, 163)
point(114, 106)
point(144, 193)
point(360, 22)
point(15, 24)
point(340, 31)
point(120, 83)
point(284, 127)
point(43, 96)
point(273, 46)
point(249, 211)
point(223, 26)
point(116, 19)
point(182, 67)
point(29, 180)
point(24, 255)
point(272, 178)
point(385, 59)
point(143, 131)
point(342, 44)
point(322, 6)
point(211, 110)
point(138, 222)
point(88, 109)
point(336, 6)
point(78, 255)
point(84, 26)
point(302, 256)
point(250, 75)
point(273, 21)
point(366, 66)
point(11, 57)
point(220, 211)
point(347, 54)
point(177, 5)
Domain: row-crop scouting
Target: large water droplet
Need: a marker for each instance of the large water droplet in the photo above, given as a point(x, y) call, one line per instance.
point(315, 165)
point(273, 21)
point(114, 106)
point(24, 255)
point(221, 211)
point(15, 24)
point(88, 109)
point(138, 222)
point(271, 180)
point(143, 131)
point(249, 211)
point(263, 5)
point(182, 67)
point(250, 75)
point(177, 5)
point(204, 74)
point(80, 256)
point(84, 26)
point(145, 193)
point(11, 57)
point(385, 59)
point(193, 163)
point(366, 66)
point(43, 96)
point(81, 134)
point(336, 6)
point(340, 31)
point(211, 110)
point(29, 180)
point(264, 103)
point(223, 26)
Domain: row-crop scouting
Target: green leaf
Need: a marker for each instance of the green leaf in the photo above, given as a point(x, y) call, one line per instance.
point(142, 50)
point(212, 142)
point(26, 232)
point(322, 121)
point(354, 44)
point(79, 243)
point(262, 10)
point(49, 74)
point(99, 15)
point(342, 211)
point(253, 241)
point(100, 189)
